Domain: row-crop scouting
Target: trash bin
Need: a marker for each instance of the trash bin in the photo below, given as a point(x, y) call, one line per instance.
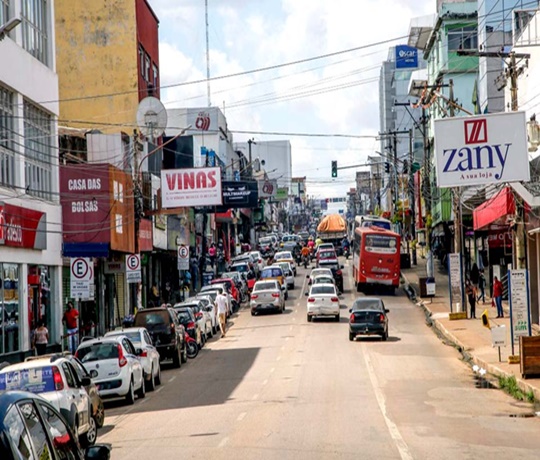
point(423, 288)
point(405, 260)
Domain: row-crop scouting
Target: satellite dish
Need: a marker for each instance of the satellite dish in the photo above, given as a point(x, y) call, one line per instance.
point(151, 117)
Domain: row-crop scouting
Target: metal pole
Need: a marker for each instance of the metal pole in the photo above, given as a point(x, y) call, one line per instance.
point(411, 195)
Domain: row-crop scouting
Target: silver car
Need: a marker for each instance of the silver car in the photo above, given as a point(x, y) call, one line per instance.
point(267, 295)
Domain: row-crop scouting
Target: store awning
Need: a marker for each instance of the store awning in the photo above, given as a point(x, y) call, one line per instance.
point(224, 217)
point(495, 210)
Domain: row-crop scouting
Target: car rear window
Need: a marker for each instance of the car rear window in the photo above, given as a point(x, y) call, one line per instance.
point(327, 255)
point(267, 240)
point(240, 268)
point(226, 283)
point(323, 280)
point(133, 336)
point(35, 380)
point(271, 272)
point(264, 286)
point(367, 304)
point(151, 318)
point(184, 315)
point(97, 352)
point(321, 289)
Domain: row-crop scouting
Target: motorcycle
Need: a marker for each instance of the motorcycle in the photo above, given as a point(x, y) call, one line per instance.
point(346, 252)
point(191, 346)
point(305, 261)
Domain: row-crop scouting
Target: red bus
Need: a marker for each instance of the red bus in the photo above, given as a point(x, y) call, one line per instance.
point(376, 258)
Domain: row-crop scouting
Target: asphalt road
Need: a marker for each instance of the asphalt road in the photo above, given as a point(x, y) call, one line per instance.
point(279, 387)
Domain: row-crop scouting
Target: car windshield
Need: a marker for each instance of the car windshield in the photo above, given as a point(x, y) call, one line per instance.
point(264, 286)
point(381, 244)
point(242, 268)
point(323, 289)
point(284, 255)
point(266, 240)
point(134, 336)
point(184, 315)
point(151, 318)
point(315, 273)
point(323, 280)
point(367, 304)
point(98, 352)
point(271, 272)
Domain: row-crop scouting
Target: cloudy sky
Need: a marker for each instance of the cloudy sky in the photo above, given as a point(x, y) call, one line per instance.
point(336, 95)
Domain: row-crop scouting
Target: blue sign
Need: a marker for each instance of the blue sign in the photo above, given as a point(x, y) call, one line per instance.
point(35, 380)
point(406, 57)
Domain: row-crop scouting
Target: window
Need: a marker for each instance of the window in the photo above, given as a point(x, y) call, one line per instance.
point(65, 447)
point(147, 68)
point(9, 308)
point(463, 38)
point(7, 156)
point(38, 150)
point(155, 80)
point(4, 11)
point(70, 378)
point(35, 28)
point(35, 429)
point(18, 433)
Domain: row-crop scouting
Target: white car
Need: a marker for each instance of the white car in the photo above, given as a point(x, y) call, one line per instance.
point(210, 307)
point(318, 272)
point(325, 247)
point(267, 295)
point(219, 288)
point(322, 300)
point(323, 279)
point(115, 367)
point(287, 273)
point(286, 256)
point(54, 378)
point(258, 259)
point(149, 355)
point(201, 316)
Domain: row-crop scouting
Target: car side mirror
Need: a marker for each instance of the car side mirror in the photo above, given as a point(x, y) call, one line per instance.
point(98, 452)
point(86, 381)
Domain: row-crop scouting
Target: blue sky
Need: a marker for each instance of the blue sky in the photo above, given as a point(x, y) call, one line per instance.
point(333, 95)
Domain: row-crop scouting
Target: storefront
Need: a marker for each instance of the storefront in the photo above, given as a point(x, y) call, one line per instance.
point(30, 277)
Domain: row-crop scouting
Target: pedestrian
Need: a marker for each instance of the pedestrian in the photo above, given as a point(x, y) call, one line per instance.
point(482, 286)
point(497, 296)
point(471, 295)
point(154, 293)
point(41, 338)
point(221, 303)
point(70, 318)
point(212, 254)
point(475, 275)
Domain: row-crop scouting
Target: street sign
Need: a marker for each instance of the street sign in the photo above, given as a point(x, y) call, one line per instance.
point(183, 258)
point(81, 277)
point(133, 268)
point(498, 336)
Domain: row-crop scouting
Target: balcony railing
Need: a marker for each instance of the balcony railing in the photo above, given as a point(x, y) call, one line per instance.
point(526, 28)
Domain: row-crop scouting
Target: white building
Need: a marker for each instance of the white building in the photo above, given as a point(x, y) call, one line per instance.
point(30, 212)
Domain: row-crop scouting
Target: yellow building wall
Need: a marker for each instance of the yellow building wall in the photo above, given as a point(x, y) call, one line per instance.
point(97, 54)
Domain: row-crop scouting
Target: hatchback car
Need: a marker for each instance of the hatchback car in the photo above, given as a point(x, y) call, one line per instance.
point(317, 272)
point(186, 317)
point(322, 300)
point(286, 256)
point(368, 317)
point(287, 272)
point(201, 316)
point(55, 379)
point(148, 353)
point(31, 427)
point(267, 295)
point(274, 272)
point(113, 364)
point(166, 332)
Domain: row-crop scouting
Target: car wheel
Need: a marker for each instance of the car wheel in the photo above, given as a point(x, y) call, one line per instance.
point(384, 337)
point(177, 359)
point(336, 319)
point(151, 381)
point(253, 313)
point(141, 392)
point(184, 356)
point(351, 336)
point(292, 286)
point(99, 415)
point(287, 295)
point(158, 375)
point(309, 319)
point(89, 438)
point(130, 397)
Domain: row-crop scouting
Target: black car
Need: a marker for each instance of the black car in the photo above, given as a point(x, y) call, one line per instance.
point(166, 332)
point(337, 272)
point(30, 427)
point(368, 317)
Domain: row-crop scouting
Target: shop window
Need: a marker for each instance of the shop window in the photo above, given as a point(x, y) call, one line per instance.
point(39, 296)
point(10, 308)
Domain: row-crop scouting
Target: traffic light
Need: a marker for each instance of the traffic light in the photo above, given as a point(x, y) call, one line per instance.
point(334, 168)
point(386, 167)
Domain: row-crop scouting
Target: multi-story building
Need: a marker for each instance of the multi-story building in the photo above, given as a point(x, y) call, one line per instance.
point(30, 213)
point(108, 60)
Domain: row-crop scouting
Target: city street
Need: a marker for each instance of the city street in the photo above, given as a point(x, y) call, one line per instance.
point(280, 387)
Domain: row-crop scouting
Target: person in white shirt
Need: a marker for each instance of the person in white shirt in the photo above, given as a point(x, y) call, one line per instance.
point(221, 303)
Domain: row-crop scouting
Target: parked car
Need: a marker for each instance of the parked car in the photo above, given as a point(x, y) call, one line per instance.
point(209, 306)
point(267, 295)
point(287, 273)
point(368, 317)
point(222, 289)
point(258, 258)
point(148, 353)
point(166, 332)
point(322, 300)
point(23, 413)
point(54, 378)
point(115, 367)
point(186, 317)
point(201, 315)
point(231, 285)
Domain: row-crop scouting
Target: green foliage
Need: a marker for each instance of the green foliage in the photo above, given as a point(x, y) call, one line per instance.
point(510, 386)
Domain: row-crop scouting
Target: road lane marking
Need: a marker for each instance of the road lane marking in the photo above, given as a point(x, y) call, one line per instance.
point(272, 370)
point(265, 381)
point(223, 442)
point(400, 443)
point(255, 396)
point(159, 389)
point(172, 379)
point(241, 416)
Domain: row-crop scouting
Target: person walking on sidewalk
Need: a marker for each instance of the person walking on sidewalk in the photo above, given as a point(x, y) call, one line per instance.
point(70, 318)
point(471, 295)
point(482, 287)
point(221, 303)
point(497, 296)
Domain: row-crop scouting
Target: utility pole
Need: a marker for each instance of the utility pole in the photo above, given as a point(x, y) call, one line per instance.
point(411, 194)
point(207, 53)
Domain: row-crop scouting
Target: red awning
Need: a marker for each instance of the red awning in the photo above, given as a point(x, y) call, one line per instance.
point(226, 216)
point(495, 209)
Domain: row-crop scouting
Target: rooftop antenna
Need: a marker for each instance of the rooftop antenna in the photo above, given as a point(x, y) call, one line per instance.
point(207, 54)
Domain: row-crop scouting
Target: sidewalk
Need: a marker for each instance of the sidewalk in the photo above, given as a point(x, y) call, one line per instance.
point(470, 336)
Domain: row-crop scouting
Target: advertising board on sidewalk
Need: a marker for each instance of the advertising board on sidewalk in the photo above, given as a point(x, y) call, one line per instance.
point(518, 298)
point(455, 281)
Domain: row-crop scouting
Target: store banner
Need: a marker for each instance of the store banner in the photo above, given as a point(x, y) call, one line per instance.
point(267, 188)
point(22, 227)
point(146, 242)
point(282, 194)
point(243, 194)
point(188, 187)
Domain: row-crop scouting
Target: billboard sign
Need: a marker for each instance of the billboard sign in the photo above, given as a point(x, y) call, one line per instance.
point(406, 57)
point(22, 227)
point(267, 188)
point(481, 150)
point(203, 119)
point(243, 194)
point(191, 187)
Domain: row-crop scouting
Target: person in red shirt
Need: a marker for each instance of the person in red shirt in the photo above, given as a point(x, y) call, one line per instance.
point(497, 296)
point(71, 316)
